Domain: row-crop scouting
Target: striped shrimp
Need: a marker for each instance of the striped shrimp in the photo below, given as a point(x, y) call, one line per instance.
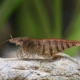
point(43, 47)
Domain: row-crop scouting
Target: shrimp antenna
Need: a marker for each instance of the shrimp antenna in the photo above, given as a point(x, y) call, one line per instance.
point(11, 36)
point(3, 43)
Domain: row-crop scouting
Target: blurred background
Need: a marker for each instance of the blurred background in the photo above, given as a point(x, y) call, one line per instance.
point(39, 19)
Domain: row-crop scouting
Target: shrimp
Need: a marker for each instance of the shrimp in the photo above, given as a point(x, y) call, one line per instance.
point(43, 47)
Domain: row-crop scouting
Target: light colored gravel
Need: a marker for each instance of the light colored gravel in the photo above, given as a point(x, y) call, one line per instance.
point(60, 68)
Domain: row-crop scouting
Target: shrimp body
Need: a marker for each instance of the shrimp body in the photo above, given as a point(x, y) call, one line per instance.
point(46, 47)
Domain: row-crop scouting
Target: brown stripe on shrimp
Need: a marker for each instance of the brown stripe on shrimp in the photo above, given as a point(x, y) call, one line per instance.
point(56, 46)
point(43, 50)
point(50, 47)
point(68, 45)
point(65, 45)
point(60, 47)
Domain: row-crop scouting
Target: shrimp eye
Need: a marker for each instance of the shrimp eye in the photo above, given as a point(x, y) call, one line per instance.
point(21, 40)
